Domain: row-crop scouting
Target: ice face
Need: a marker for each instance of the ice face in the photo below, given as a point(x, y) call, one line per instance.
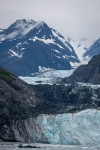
point(79, 128)
point(69, 128)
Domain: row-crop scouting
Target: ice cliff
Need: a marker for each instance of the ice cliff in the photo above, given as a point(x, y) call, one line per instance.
point(68, 128)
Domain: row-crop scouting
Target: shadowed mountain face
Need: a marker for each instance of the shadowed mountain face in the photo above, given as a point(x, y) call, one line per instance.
point(89, 73)
point(93, 50)
point(26, 45)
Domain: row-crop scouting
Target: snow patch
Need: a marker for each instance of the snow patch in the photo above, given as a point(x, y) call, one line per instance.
point(65, 56)
point(46, 41)
point(57, 51)
point(59, 46)
point(15, 54)
point(58, 56)
point(75, 64)
point(18, 45)
point(44, 69)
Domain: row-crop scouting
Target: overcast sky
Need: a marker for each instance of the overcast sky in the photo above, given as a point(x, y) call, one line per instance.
point(78, 19)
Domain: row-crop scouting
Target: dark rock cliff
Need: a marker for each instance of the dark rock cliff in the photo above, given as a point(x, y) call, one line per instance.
point(17, 101)
point(89, 73)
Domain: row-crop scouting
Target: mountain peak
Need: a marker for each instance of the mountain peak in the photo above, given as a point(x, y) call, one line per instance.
point(25, 22)
point(22, 24)
point(18, 29)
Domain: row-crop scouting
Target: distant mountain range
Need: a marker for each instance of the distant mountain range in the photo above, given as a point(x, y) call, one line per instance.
point(27, 45)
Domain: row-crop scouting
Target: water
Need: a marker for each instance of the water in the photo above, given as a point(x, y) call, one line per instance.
point(15, 146)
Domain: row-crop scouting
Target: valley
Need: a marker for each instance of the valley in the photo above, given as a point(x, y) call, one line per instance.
point(49, 89)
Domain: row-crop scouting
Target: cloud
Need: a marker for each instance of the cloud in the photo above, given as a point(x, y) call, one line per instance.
point(74, 18)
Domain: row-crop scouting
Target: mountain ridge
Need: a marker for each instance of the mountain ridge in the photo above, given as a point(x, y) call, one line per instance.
point(89, 73)
point(40, 46)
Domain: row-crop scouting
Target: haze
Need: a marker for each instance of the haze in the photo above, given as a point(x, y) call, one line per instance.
point(78, 19)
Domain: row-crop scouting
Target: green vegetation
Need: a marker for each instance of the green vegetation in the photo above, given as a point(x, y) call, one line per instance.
point(6, 76)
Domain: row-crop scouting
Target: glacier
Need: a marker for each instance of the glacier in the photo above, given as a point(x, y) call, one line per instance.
point(80, 128)
point(46, 76)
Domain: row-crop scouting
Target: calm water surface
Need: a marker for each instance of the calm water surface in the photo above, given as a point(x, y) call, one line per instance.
point(15, 146)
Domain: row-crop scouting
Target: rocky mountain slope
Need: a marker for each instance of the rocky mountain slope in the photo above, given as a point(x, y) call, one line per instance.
point(89, 73)
point(93, 50)
point(27, 45)
point(48, 113)
point(17, 101)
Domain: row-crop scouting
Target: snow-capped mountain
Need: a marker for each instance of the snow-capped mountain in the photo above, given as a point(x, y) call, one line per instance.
point(93, 50)
point(79, 49)
point(27, 45)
